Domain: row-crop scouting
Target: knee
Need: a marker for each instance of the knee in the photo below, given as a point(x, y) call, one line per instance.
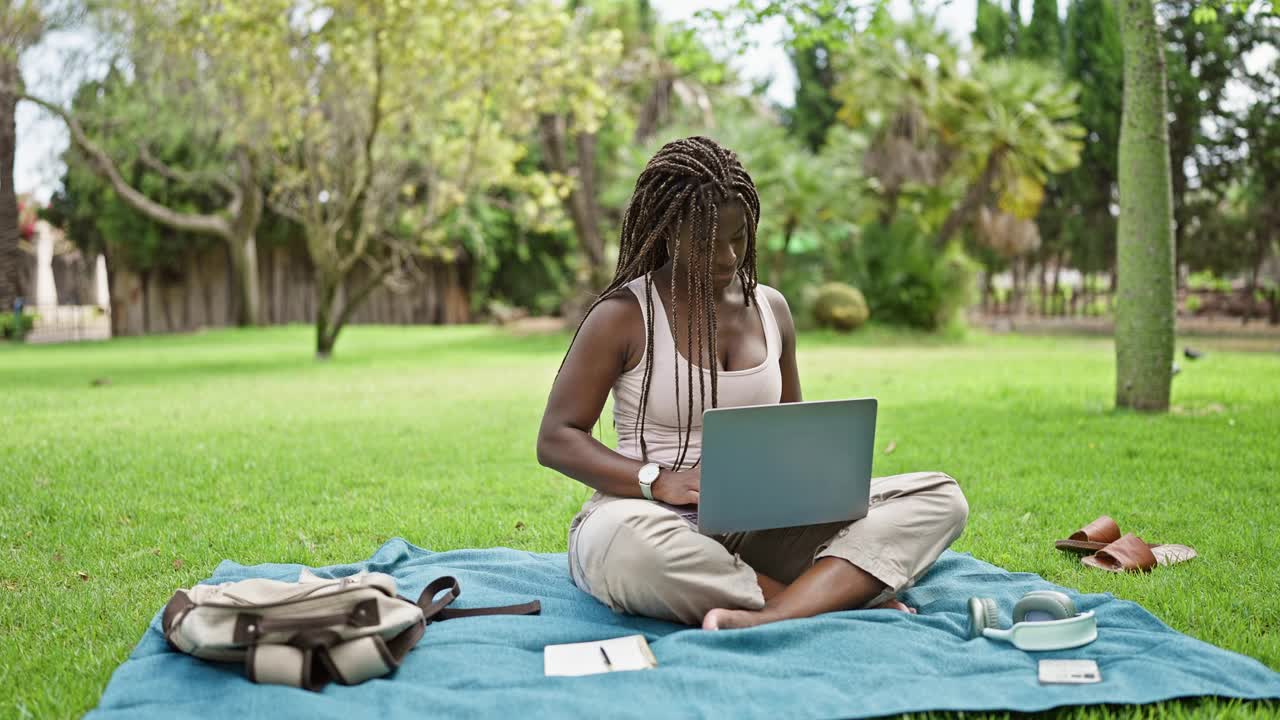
point(626, 538)
point(955, 505)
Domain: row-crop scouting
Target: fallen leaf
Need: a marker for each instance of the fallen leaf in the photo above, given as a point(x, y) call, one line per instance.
point(519, 525)
point(893, 445)
point(177, 563)
point(83, 575)
point(99, 382)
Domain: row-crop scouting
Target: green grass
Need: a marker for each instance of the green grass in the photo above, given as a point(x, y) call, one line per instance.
point(236, 444)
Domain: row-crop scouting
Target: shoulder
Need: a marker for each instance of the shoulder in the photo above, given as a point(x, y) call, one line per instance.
point(615, 324)
point(620, 307)
point(781, 310)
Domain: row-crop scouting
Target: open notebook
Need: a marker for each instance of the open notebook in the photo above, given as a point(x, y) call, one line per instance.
point(589, 658)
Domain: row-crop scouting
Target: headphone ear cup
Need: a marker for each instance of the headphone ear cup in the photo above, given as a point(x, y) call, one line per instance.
point(1041, 605)
point(983, 613)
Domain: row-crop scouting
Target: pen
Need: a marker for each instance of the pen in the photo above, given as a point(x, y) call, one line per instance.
point(607, 663)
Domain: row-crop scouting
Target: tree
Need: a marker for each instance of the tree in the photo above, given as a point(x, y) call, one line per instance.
point(1144, 333)
point(21, 25)
point(1015, 120)
point(236, 223)
point(647, 69)
point(367, 157)
point(172, 80)
point(1094, 59)
point(1202, 59)
point(993, 30)
point(92, 213)
point(815, 108)
point(1042, 38)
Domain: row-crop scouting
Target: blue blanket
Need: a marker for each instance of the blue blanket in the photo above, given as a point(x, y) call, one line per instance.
point(852, 664)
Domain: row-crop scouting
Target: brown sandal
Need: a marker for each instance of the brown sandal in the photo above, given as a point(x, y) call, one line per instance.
point(1093, 537)
point(1131, 554)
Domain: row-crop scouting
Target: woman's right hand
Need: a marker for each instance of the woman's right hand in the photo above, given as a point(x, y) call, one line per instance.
point(678, 487)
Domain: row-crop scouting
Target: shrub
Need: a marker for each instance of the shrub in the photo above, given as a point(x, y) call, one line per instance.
point(1193, 304)
point(1205, 280)
point(906, 280)
point(11, 331)
point(840, 306)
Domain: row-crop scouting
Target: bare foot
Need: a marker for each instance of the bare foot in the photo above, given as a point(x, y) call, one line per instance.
point(895, 604)
point(722, 619)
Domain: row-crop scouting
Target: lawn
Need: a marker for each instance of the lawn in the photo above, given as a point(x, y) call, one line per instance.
point(236, 444)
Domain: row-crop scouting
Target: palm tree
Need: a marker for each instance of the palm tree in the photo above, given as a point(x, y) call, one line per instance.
point(904, 64)
point(1012, 121)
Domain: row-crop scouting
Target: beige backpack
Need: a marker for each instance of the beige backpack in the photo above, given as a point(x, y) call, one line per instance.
point(313, 631)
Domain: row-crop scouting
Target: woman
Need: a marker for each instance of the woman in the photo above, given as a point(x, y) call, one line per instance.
point(684, 322)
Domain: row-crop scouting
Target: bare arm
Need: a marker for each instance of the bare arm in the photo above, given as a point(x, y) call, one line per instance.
point(610, 343)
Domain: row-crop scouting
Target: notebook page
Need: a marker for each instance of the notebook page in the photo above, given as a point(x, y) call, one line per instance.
point(625, 653)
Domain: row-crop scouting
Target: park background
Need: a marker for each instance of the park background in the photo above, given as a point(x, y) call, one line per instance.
point(256, 200)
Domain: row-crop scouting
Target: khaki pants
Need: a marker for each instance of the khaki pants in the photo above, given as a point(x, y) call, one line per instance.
point(643, 558)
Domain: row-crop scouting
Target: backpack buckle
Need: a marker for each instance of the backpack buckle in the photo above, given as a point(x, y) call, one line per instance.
point(248, 629)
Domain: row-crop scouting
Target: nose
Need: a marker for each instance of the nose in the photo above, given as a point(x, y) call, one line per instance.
point(726, 260)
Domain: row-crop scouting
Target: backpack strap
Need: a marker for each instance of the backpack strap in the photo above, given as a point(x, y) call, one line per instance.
point(437, 609)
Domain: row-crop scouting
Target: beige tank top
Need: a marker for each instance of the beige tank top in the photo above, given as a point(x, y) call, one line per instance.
point(668, 404)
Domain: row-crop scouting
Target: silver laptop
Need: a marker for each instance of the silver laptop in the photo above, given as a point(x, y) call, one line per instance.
point(772, 466)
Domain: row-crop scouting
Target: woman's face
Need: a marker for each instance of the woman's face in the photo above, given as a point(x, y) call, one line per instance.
point(729, 247)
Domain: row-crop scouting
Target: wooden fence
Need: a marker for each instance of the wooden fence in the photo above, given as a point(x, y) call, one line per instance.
point(203, 292)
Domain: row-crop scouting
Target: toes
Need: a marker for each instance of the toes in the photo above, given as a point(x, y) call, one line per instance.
point(711, 621)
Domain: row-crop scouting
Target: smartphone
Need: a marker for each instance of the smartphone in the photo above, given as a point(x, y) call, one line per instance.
point(1069, 672)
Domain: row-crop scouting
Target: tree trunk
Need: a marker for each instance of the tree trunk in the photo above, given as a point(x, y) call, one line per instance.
point(336, 305)
point(1059, 307)
point(9, 233)
point(1044, 289)
point(1019, 287)
point(1144, 327)
point(581, 202)
point(327, 291)
point(244, 262)
point(973, 197)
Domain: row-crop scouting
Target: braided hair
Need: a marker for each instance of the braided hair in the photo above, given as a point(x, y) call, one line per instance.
point(683, 186)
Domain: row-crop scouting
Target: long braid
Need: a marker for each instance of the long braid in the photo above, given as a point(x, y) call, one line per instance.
point(682, 435)
point(711, 316)
point(681, 188)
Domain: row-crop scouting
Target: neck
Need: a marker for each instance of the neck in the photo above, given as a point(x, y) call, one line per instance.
point(731, 293)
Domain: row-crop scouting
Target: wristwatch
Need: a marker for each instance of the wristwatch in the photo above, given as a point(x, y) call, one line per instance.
point(647, 475)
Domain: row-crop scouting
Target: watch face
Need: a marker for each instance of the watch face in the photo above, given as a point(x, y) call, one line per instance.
point(649, 473)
